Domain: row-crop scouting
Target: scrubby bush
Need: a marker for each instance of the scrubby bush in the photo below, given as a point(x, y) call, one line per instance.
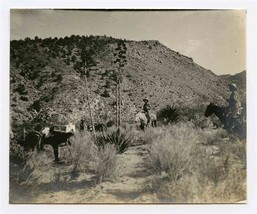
point(106, 163)
point(81, 153)
point(172, 152)
point(196, 115)
point(21, 89)
point(196, 166)
point(85, 157)
point(106, 93)
point(26, 166)
point(24, 98)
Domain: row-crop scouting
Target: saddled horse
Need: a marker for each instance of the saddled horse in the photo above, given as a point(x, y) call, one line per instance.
point(58, 139)
point(236, 126)
point(56, 136)
point(49, 136)
point(34, 141)
point(141, 117)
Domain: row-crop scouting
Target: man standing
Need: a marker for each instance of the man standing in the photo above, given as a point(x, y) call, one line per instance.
point(234, 104)
point(234, 100)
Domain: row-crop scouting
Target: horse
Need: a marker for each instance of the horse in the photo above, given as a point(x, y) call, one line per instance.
point(220, 112)
point(56, 140)
point(141, 117)
point(231, 125)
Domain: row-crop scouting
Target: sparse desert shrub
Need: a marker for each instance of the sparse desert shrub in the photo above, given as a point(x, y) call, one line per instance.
point(106, 163)
point(235, 150)
point(195, 115)
point(58, 78)
point(189, 170)
point(26, 166)
point(119, 138)
point(24, 98)
point(81, 154)
point(173, 152)
point(19, 172)
point(214, 185)
point(21, 89)
point(110, 123)
point(85, 157)
point(212, 136)
point(193, 189)
point(106, 93)
point(151, 134)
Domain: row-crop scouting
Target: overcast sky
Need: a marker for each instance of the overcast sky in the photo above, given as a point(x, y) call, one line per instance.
point(215, 40)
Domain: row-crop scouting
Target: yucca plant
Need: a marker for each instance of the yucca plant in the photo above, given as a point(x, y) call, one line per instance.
point(168, 114)
point(118, 138)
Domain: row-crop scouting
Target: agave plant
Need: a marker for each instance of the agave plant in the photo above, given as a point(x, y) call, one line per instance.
point(117, 137)
point(168, 114)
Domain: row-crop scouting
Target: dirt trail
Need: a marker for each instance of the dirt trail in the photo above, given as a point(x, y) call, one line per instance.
point(130, 187)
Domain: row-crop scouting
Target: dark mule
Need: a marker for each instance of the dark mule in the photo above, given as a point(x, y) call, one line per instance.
point(32, 141)
point(56, 140)
point(232, 125)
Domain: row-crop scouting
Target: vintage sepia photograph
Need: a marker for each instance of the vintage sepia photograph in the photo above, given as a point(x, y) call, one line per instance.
point(127, 106)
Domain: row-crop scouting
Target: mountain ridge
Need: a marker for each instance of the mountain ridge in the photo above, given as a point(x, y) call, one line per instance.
point(50, 71)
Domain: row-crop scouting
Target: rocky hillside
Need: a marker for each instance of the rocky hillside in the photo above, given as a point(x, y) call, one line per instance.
point(239, 79)
point(46, 84)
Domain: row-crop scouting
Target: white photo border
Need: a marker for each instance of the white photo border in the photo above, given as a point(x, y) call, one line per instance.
point(249, 5)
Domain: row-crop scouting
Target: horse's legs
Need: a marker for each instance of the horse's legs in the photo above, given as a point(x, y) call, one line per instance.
point(56, 152)
point(153, 123)
point(142, 127)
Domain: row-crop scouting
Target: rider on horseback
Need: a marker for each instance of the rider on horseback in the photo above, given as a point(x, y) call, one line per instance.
point(146, 109)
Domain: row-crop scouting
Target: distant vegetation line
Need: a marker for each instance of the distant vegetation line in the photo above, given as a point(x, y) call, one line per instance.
point(46, 84)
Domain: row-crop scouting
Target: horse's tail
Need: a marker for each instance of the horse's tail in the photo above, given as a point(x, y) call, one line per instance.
point(39, 145)
point(32, 140)
point(39, 136)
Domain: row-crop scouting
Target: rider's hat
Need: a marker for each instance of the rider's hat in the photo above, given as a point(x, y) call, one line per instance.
point(145, 100)
point(232, 86)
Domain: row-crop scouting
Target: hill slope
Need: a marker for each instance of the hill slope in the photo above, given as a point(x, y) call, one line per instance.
point(46, 85)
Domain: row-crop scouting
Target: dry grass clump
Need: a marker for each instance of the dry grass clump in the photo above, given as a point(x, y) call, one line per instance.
point(82, 157)
point(87, 157)
point(171, 152)
point(26, 167)
point(197, 166)
point(106, 165)
point(80, 154)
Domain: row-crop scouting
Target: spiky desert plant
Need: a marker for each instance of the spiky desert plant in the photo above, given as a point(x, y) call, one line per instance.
point(168, 114)
point(119, 138)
